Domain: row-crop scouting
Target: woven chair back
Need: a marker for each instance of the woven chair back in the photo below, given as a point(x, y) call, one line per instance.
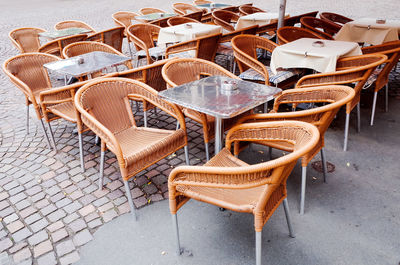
point(229, 36)
point(55, 47)
point(292, 21)
point(225, 19)
point(73, 24)
point(124, 18)
point(82, 47)
point(201, 2)
point(322, 27)
point(173, 21)
point(184, 8)
point(143, 35)
point(112, 37)
point(247, 10)
point(335, 18)
point(289, 34)
point(150, 10)
point(26, 39)
point(195, 15)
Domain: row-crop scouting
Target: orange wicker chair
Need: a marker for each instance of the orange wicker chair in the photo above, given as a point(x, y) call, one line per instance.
point(173, 21)
point(335, 18)
point(150, 10)
point(72, 24)
point(201, 2)
point(289, 34)
point(112, 37)
point(184, 8)
point(26, 71)
point(225, 19)
point(381, 76)
point(245, 50)
point(195, 15)
point(124, 19)
point(143, 35)
point(247, 10)
point(184, 70)
point(324, 28)
point(56, 46)
point(353, 71)
point(104, 108)
point(228, 182)
point(26, 39)
point(334, 97)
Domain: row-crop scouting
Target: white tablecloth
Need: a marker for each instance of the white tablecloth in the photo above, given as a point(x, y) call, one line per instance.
point(367, 30)
point(257, 19)
point(181, 33)
point(302, 54)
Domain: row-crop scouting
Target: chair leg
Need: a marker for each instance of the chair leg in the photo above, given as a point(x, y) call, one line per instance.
point(130, 201)
point(303, 188)
point(177, 125)
point(323, 163)
point(52, 136)
point(45, 134)
point(358, 118)
point(207, 153)
point(287, 213)
point(258, 247)
point(187, 155)
point(346, 132)
point(386, 97)
point(101, 170)
point(270, 152)
point(81, 152)
point(27, 119)
point(176, 229)
point(145, 118)
point(96, 140)
point(130, 50)
point(373, 108)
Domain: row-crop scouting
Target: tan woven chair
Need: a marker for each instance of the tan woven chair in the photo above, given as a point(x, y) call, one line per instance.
point(335, 18)
point(228, 182)
point(162, 22)
point(184, 70)
point(324, 28)
point(113, 37)
point(201, 2)
point(247, 10)
point(225, 19)
point(173, 21)
point(124, 19)
point(143, 35)
point(245, 50)
point(289, 34)
point(197, 16)
point(184, 8)
point(334, 97)
point(295, 20)
point(150, 10)
point(56, 46)
point(104, 108)
point(26, 71)
point(381, 75)
point(353, 71)
point(26, 39)
point(72, 24)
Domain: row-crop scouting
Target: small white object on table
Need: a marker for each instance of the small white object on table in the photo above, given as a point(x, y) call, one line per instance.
point(259, 19)
point(305, 53)
point(370, 30)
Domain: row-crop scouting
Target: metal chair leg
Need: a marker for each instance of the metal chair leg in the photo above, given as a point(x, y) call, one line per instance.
point(81, 152)
point(373, 108)
point(130, 50)
point(177, 125)
point(303, 188)
point(346, 132)
point(324, 170)
point(52, 136)
point(45, 134)
point(287, 213)
point(130, 201)
point(176, 229)
point(101, 170)
point(145, 118)
point(27, 119)
point(358, 118)
point(258, 247)
point(207, 153)
point(386, 97)
point(187, 155)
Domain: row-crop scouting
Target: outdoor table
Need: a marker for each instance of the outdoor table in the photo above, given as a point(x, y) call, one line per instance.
point(92, 62)
point(369, 31)
point(155, 16)
point(208, 96)
point(259, 19)
point(212, 6)
point(182, 32)
point(305, 53)
point(55, 34)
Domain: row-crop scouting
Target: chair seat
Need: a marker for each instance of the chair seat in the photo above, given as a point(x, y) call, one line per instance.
point(372, 78)
point(225, 49)
point(253, 75)
point(64, 110)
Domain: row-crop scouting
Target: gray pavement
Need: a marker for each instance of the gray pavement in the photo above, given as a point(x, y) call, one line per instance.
point(50, 213)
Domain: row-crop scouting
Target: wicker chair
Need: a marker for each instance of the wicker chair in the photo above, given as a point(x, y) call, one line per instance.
point(184, 70)
point(56, 46)
point(225, 19)
point(124, 19)
point(184, 8)
point(112, 37)
point(353, 71)
point(334, 97)
point(381, 76)
point(104, 108)
point(195, 15)
point(26, 71)
point(289, 34)
point(247, 10)
point(26, 39)
point(72, 24)
point(324, 28)
point(294, 20)
point(173, 21)
point(150, 10)
point(245, 50)
point(143, 35)
point(335, 18)
point(201, 2)
point(228, 182)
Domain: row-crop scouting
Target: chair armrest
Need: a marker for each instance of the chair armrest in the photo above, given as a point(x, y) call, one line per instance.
point(182, 47)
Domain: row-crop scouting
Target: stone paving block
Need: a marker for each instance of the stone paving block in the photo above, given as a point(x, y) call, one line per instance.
point(63, 202)
point(22, 205)
point(65, 184)
point(3, 195)
point(59, 234)
point(4, 204)
point(70, 218)
point(100, 201)
point(15, 226)
point(42, 248)
point(65, 247)
point(91, 216)
point(48, 209)
point(136, 193)
point(70, 258)
point(17, 197)
point(77, 225)
point(95, 223)
point(21, 234)
point(57, 215)
point(10, 218)
point(42, 203)
point(39, 225)
point(120, 200)
point(53, 190)
point(16, 190)
point(91, 188)
point(101, 193)
point(22, 255)
point(87, 209)
point(124, 208)
point(5, 244)
point(106, 207)
point(27, 212)
point(88, 198)
point(57, 197)
point(76, 195)
point(109, 215)
point(38, 237)
point(55, 226)
point(82, 238)
point(17, 247)
point(73, 207)
point(34, 190)
point(140, 202)
point(48, 259)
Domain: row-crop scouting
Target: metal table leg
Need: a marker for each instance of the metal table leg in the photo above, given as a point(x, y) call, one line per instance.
point(218, 134)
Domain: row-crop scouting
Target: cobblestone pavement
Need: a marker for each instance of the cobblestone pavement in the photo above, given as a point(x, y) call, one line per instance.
point(48, 208)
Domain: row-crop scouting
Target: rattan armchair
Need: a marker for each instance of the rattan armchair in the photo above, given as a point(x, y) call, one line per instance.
point(353, 71)
point(113, 37)
point(124, 19)
point(247, 10)
point(173, 21)
point(184, 70)
point(226, 19)
point(228, 182)
point(381, 75)
point(26, 39)
point(289, 34)
point(26, 72)
point(104, 108)
point(150, 10)
point(327, 99)
point(184, 8)
point(56, 46)
point(324, 28)
point(72, 24)
point(201, 2)
point(245, 50)
point(197, 16)
point(335, 18)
